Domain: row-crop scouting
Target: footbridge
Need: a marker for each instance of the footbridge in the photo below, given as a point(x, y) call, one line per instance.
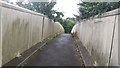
point(29, 38)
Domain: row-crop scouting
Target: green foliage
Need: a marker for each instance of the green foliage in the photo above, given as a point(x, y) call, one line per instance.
point(45, 8)
point(68, 24)
point(90, 9)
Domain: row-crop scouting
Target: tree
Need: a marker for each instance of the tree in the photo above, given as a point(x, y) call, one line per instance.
point(90, 9)
point(45, 8)
point(68, 24)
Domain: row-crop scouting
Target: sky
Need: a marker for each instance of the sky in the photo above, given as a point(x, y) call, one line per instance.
point(68, 7)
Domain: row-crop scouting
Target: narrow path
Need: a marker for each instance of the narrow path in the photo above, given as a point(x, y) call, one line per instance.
point(58, 52)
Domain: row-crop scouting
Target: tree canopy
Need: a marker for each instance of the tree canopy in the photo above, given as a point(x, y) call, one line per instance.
point(90, 9)
point(68, 24)
point(45, 8)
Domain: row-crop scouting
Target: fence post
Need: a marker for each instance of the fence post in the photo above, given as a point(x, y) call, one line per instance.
point(111, 49)
point(0, 35)
point(42, 28)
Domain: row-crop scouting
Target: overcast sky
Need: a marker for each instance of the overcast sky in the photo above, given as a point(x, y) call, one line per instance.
point(69, 7)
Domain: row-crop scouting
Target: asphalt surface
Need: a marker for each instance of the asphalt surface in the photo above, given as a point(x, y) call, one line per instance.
point(58, 52)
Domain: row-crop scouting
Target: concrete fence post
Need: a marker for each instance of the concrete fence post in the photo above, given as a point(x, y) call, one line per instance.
point(42, 28)
point(0, 36)
point(112, 42)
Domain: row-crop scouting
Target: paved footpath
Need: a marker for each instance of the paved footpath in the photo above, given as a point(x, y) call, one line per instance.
point(58, 52)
